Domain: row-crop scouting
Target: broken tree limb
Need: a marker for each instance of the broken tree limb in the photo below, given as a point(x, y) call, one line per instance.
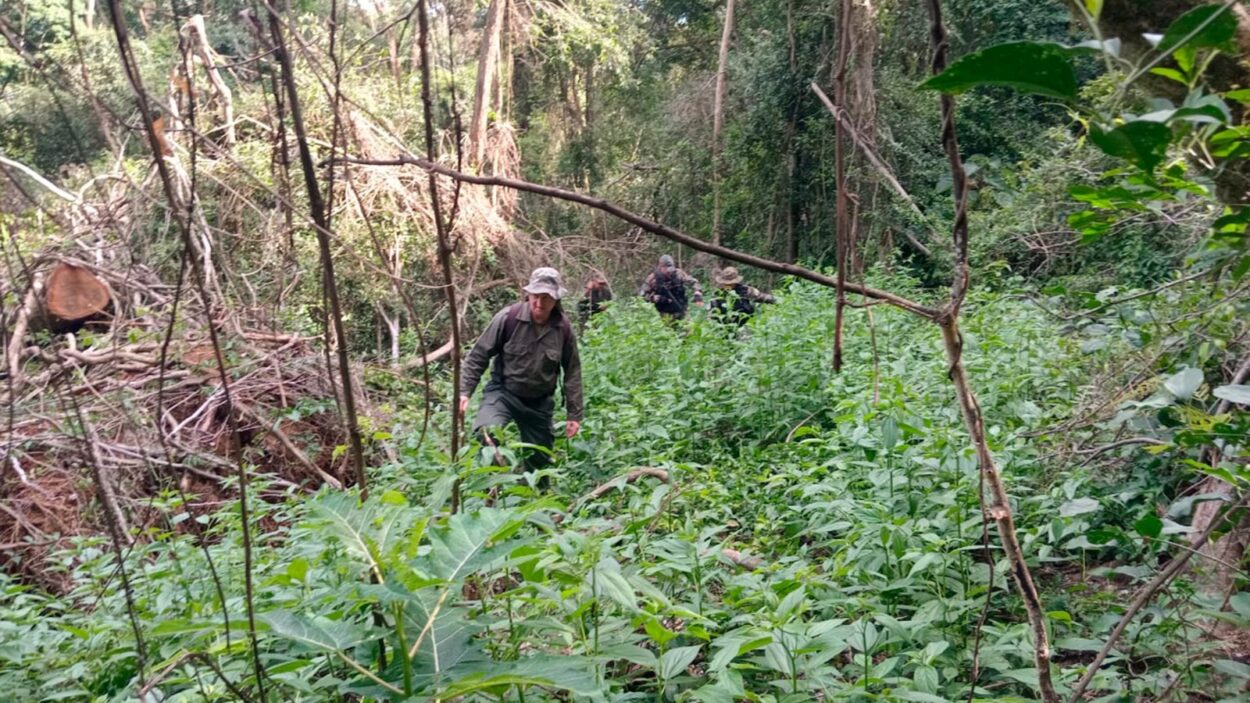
point(429, 358)
point(746, 561)
point(34, 176)
point(875, 159)
point(17, 341)
point(655, 228)
point(197, 38)
point(287, 444)
point(622, 480)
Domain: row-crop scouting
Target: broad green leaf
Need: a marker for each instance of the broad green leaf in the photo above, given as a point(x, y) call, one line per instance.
point(1060, 616)
point(469, 542)
point(1094, 8)
point(926, 679)
point(918, 696)
point(1241, 96)
point(1184, 383)
point(657, 632)
point(610, 582)
point(630, 653)
point(933, 650)
point(1024, 676)
point(791, 603)
point(1233, 667)
point(448, 641)
point(674, 661)
point(369, 531)
point(1031, 67)
point(889, 433)
point(1171, 74)
point(319, 633)
point(1211, 26)
point(1233, 393)
point(924, 562)
point(778, 659)
point(298, 569)
point(572, 674)
point(1241, 604)
point(1142, 143)
point(1149, 526)
point(1079, 506)
point(713, 693)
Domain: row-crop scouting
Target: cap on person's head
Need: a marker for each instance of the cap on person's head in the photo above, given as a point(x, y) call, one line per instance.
point(546, 280)
point(728, 276)
point(667, 261)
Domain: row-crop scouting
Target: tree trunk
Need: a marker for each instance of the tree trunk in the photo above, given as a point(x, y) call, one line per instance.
point(718, 118)
point(792, 151)
point(488, 58)
point(842, 228)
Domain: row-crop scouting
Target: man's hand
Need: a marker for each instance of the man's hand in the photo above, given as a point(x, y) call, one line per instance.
point(464, 403)
point(571, 427)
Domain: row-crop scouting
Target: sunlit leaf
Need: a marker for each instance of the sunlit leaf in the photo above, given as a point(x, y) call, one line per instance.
point(1184, 383)
point(674, 661)
point(1142, 143)
point(1079, 506)
point(1031, 67)
point(1209, 26)
point(1149, 526)
point(1233, 393)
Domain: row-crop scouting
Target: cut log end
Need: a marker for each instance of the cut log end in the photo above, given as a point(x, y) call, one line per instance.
point(74, 294)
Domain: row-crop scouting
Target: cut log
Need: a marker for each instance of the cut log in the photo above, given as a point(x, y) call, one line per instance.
point(75, 294)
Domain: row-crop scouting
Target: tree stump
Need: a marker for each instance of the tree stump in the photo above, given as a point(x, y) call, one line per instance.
point(74, 295)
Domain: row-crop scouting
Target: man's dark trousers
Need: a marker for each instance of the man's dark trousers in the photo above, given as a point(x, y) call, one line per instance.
point(533, 417)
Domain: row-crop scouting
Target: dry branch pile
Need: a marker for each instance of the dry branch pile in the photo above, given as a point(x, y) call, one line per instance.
point(91, 380)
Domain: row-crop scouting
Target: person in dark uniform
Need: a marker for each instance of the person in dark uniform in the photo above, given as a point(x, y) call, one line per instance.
point(597, 293)
point(666, 288)
point(734, 301)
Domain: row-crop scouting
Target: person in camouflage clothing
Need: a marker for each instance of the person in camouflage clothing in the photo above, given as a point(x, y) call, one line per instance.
point(531, 343)
point(734, 301)
point(597, 295)
point(666, 288)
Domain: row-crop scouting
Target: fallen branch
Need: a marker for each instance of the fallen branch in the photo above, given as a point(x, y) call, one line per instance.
point(17, 341)
point(876, 160)
point(746, 561)
point(34, 176)
point(289, 446)
point(1099, 451)
point(653, 227)
point(621, 480)
point(429, 358)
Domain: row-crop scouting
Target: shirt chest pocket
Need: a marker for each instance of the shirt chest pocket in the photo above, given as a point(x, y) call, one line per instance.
point(551, 361)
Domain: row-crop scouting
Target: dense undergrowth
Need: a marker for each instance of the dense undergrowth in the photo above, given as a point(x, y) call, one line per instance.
point(855, 570)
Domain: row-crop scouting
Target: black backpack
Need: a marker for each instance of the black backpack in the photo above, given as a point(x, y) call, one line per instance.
point(743, 304)
point(672, 292)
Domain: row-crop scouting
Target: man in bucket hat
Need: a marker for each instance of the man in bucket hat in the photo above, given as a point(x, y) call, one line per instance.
point(734, 301)
point(531, 342)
